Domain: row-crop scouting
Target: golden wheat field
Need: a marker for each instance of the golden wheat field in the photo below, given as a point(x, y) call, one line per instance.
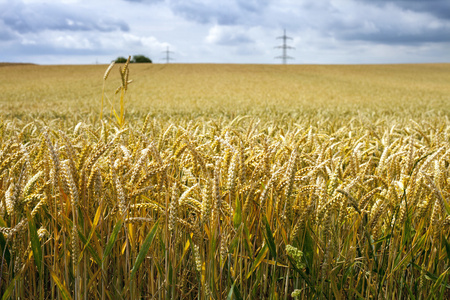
point(225, 182)
point(267, 92)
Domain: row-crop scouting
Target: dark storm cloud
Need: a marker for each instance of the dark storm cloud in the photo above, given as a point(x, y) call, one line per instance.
point(6, 34)
point(375, 21)
point(37, 17)
point(252, 6)
point(221, 12)
point(397, 37)
point(204, 13)
point(394, 23)
point(438, 8)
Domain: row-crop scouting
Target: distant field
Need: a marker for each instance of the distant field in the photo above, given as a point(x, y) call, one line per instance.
point(179, 90)
point(225, 182)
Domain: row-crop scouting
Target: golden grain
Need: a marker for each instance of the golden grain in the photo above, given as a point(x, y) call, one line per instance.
point(362, 196)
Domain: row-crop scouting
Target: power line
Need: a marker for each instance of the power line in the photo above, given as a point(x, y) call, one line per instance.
point(168, 58)
point(284, 57)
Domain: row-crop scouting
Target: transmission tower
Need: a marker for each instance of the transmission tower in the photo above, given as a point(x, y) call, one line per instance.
point(284, 57)
point(168, 58)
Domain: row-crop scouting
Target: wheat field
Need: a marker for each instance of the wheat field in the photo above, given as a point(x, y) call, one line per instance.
point(225, 182)
point(267, 92)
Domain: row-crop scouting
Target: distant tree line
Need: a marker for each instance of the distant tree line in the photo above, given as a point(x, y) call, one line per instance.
point(135, 59)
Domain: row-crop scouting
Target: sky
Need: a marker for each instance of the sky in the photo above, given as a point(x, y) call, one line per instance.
point(225, 31)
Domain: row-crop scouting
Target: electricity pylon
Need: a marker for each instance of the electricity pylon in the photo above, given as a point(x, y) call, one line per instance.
point(284, 57)
point(168, 58)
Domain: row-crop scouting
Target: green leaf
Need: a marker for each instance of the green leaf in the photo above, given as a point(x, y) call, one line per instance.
point(94, 225)
point(234, 291)
point(269, 238)
point(411, 294)
point(407, 258)
point(35, 244)
point(230, 293)
point(62, 289)
point(234, 242)
point(237, 293)
point(247, 244)
point(439, 281)
point(112, 240)
point(259, 258)
point(308, 249)
point(143, 252)
point(237, 217)
point(301, 273)
point(447, 248)
point(3, 244)
point(430, 276)
point(10, 288)
point(91, 250)
point(2, 222)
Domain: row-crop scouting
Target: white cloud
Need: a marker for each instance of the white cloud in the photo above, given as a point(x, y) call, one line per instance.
point(338, 31)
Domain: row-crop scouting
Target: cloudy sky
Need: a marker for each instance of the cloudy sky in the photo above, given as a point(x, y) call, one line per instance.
point(225, 31)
